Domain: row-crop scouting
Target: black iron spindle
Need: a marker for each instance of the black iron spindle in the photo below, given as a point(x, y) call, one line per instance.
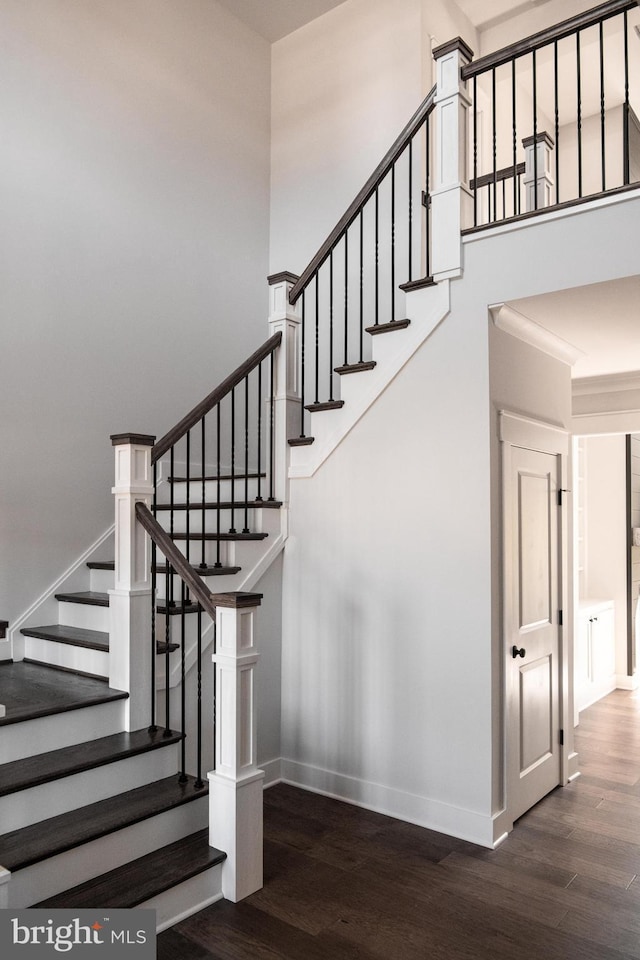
point(203, 563)
point(625, 118)
point(377, 256)
point(232, 528)
point(475, 151)
point(183, 694)
point(579, 111)
point(188, 497)
point(331, 325)
point(154, 573)
point(346, 297)
point(245, 529)
point(556, 118)
point(393, 242)
point(494, 141)
point(602, 108)
point(218, 562)
point(428, 197)
point(259, 496)
point(514, 134)
point(167, 640)
point(361, 334)
point(535, 131)
point(172, 471)
point(199, 781)
point(410, 210)
point(272, 433)
point(316, 372)
point(302, 364)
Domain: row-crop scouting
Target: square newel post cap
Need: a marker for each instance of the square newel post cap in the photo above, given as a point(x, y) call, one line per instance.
point(456, 44)
point(542, 137)
point(140, 439)
point(237, 600)
point(285, 276)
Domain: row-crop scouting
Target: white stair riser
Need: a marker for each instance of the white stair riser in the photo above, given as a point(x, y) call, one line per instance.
point(58, 796)
point(42, 880)
point(26, 739)
point(211, 495)
point(257, 521)
point(84, 615)
point(94, 662)
point(186, 898)
point(101, 581)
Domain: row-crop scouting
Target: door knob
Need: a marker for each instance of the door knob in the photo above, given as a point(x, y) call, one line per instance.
point(518, 652)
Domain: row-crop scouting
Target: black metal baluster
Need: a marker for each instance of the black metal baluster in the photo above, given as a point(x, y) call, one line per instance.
point(331, 325)
point(602, 121)
point(232, 528)
point(170, 599)
point(428, 196)
point(188, 498)
point(504, 199)
point(494, 138)
point(625, 119)
point(245, 529)
point(183, 694)
point(410, 210)
point(154, 560)
point(377, 254)
point(218, 562)
point(302, 364)
point(167, 640)
point(317, 349)
point(203, 563)
point(346, 297)
point(393, 242)
point(272, 382)
point(259, 496)
point(199, 781)
point(475, 151)
point(514, 125)
point(361, 335)
point(557, 118)
point(579, 112)
point(535, 131)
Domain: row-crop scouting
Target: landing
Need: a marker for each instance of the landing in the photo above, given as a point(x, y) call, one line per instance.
point(28, 690)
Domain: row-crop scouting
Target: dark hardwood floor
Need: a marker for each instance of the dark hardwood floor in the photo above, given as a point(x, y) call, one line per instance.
point(345, 884)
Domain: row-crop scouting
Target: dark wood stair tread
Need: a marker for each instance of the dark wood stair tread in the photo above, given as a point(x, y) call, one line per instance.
point(300, 441)
point(221, 477)
point(325, 405)
point(359, 367)
point(418, 284)
point(90, 597)
point(221, 536)
point(388, 327)
point(161, 568)
point(76, 636)
point(30, 690)
point(56, 764)
point(132, 884)
point(39, 841)
point(235, 505)
point(177, 609)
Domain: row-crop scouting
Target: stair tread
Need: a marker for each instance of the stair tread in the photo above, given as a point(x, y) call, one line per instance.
point(132, 884)
point(39, 841)
point(45, 767)
point(325, 405)
point(76, 636)
point(177, 609)
point(161, 568)
point(221, 477)
point(91, 597)
point(300, 441)
point(227, 505)
point(221, 536)
point(388, 327)
point(359, 367)
point(29, 690)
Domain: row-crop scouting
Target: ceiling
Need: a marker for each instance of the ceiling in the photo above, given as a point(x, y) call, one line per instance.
point(601, 319)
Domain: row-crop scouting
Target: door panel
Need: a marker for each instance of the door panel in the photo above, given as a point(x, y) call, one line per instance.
point(531, 627)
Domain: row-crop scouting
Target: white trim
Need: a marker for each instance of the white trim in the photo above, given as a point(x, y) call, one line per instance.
point(570, 211)
point(272, 772)
point(624, 682)
point(423, 811)
point(521, 327)
point(606, 383)
point(57, 586)
point(519, 431)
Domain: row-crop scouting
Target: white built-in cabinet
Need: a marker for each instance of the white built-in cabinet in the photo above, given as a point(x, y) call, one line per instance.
point(594, 652)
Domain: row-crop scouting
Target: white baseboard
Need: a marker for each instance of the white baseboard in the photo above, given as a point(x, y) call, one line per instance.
point(272, 772)
point(623, 682)
point(423, 811)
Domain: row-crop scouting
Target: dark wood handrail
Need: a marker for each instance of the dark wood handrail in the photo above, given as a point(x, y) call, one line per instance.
point(199, 411)
point(564, 29)
point(367, 191)
point(506, 173)
point(175, 558)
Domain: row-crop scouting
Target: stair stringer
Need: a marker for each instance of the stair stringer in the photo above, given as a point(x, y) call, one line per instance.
point(426, 307)
point(45, 608)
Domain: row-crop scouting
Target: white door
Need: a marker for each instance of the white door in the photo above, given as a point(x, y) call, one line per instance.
point(532, 524)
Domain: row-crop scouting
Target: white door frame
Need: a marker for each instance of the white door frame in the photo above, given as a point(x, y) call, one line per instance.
point(515, 430)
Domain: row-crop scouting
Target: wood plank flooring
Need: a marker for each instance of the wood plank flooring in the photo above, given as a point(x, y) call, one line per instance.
point(346, 884)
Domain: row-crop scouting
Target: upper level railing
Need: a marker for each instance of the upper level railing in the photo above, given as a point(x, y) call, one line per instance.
point(561, 103)
point(380, 246)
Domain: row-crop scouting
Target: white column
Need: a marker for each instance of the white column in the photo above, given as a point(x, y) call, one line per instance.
point(285, 318)
point(235, 787)
point(130, 643)
point(451, 199)
point(537, 170)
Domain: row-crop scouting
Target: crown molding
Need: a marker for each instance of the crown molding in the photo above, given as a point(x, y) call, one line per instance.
point(521, 327)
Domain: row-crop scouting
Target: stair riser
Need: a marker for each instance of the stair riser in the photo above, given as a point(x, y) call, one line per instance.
point(26, 739)
point(94, 662)
point(58, 796)
point(227, 492)
point(101, 581)
point(186, 898)
point(257, 521)
point(45, 879)
point(85, 615)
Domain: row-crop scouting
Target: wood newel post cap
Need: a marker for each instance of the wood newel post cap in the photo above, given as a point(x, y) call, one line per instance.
point(236, 600)
point(285, 276)
point(141, 439)
point(542, 137)
point(456, 44)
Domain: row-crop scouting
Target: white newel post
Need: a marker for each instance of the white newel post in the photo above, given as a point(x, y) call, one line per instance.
point(537, 170)
point(284, 318)
point(235, 787)
point(130, 600)
point(451, 199)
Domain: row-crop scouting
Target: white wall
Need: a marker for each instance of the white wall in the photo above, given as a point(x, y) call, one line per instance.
point(343, 88)
point(134, 180)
